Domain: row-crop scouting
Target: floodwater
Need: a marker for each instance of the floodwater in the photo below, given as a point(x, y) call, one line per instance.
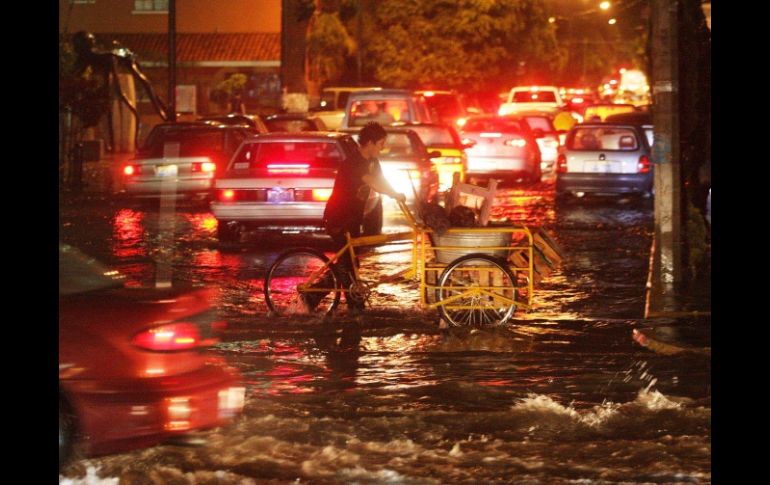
point(562, 394)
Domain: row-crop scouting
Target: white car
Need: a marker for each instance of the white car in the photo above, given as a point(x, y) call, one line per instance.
point(531, 98)
point(281, 182)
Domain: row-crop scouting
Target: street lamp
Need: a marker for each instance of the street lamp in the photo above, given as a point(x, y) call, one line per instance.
point(604, 5)
point(612, 21)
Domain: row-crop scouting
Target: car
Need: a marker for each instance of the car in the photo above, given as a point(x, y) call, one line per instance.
point(181, 159)
point(385, 106)
point(407, 166)
point(281, 182)
point(604, 158)
point(294, 122)
point(446, 106)
point(504, 148)
point(639, 118)
point(444, 139)
point(253, 121)
point(133, 370)
point(531, 98)
point(546, 136)
point(334, 99)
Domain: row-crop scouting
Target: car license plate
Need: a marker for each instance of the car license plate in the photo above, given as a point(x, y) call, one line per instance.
point(166, 170)
point(280, 195)
point(597, 167)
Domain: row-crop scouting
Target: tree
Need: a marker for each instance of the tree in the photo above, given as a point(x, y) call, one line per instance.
point(327, 46)
point(472, 45)
point(229, 93)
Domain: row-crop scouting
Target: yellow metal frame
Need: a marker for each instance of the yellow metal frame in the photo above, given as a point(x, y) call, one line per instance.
point(424, 263)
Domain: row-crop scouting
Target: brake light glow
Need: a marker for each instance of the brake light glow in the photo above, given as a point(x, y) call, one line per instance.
point(227, 195)
point(321, 195)
point(170, 337)
point(644, 164)
point(428, 94)
point(131, 169)
point(288, 168)
point(516, 142)
point(205, 167)
point(491, 135)
point(178, 410)
point(561, 164)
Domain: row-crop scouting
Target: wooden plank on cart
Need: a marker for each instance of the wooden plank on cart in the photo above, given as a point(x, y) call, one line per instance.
point(547, 246)
point(520, 260)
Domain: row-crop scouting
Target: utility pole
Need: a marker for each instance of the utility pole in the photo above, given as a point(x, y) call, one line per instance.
point(359, 29)
point(172, 60)
point(666, 153)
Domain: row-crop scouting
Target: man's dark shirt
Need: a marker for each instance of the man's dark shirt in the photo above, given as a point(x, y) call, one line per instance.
point(345, 208)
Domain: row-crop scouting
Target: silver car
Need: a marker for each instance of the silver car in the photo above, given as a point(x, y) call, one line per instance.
point(281, 182)
point(181, 159)
point(604, 158)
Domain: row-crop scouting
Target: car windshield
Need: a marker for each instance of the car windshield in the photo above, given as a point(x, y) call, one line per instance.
point(261, 155)
point(539, 123)
point(383, 111)
point(446, 105)
point(534, 97)
point(289, 125)
point(437, 135)
point(172, 143)
point(603, 138)
point(494, 125)
point(78, 273)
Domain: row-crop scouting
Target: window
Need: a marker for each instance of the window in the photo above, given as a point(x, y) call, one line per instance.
point(150, 6)
point(254, 156)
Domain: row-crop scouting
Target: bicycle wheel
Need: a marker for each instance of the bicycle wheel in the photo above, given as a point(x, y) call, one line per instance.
point(476, 290)
point(293, 269)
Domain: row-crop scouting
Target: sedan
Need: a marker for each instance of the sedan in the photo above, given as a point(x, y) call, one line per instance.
point(133, 370)
point(504, 147)
point(281, 182)
point(181, 159)
point(604, 158)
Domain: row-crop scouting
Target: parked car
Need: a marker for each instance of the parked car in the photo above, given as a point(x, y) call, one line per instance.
point(446, 107)
point(604, 158)
point(546, 136)
point(407, 166)
point(133, 370)
point(334, 99)
point(444, 139)
point(504, 147)
point(385, 106)
point(181, 159)
point(294, 122)
point(282, 181)
point(253, 121)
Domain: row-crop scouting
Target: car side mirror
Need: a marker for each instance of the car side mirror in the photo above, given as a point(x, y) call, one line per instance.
point(434, 154)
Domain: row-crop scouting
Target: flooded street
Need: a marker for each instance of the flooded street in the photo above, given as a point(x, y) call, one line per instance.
point(562, 394)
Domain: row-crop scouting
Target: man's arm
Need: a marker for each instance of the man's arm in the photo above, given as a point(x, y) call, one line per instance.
point(378, 183)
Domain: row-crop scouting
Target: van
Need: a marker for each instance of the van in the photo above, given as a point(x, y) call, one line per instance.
point(333, 103)
point(389, 107)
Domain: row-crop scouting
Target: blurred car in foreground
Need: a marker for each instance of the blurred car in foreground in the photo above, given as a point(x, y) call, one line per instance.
point(281, 182)
point(253, 121)
point(504, 147)
point(181, 159)
point(445, 140)
point(604, 158)
point(133, 370)
point(294, 122)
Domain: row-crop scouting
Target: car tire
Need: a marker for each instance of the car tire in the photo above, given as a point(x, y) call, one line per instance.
point(66, 433)
point(373, 221)
point(228, 233)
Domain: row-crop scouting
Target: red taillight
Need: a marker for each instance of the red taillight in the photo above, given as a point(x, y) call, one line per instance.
point(131, 169)
point(644, 164)
point(227, 195)
point(204, 167)
point(561, 164)
point(171, 337)
point(288, 168)
point(321, 195)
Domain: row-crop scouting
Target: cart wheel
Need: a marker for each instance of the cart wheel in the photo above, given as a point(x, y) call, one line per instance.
point(294, 268)
point(476, 286)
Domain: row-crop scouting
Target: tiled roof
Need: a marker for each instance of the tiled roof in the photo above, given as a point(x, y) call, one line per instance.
point(259, 46)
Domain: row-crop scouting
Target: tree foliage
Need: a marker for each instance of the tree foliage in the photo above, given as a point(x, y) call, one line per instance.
point(327, 46)
point(84, 95)
point(464, 44)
